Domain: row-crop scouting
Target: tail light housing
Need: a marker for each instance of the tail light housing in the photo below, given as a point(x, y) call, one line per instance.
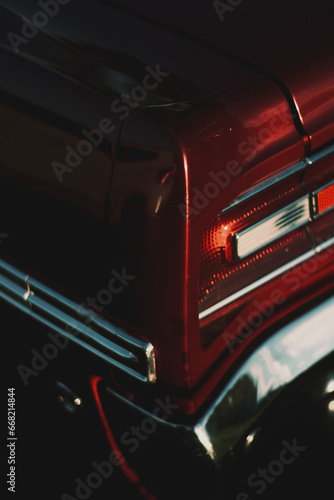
point(253, 241)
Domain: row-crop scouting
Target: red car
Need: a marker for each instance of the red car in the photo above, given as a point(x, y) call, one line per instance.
point(167, 240)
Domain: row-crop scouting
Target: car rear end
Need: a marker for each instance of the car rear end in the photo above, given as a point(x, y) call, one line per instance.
point(182, 273)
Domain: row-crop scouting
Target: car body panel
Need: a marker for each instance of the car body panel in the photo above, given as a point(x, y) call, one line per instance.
point(147, 214)
point(291, 42)
point(99, 52)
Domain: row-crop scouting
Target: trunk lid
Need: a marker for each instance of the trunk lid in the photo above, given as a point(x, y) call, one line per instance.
point(291, 42)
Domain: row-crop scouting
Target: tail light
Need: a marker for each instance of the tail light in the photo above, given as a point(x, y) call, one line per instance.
point(249, 242)
point(323, 200)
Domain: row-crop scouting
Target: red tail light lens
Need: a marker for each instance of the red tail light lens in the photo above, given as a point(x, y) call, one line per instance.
point(249, 241)
point(267, 231)
point(324, 199)
point(255, 240)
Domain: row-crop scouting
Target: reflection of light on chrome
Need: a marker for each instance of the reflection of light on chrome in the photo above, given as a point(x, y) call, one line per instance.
point(205, 440)
point(250, 438)
point(330, 386)
point(331, 405)
point(271, 374)
point(77, 401)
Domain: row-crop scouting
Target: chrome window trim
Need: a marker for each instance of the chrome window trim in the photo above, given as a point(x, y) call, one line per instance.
point(79, 325)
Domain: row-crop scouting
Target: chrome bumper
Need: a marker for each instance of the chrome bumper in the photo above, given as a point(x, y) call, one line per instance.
point(271, 369)
point(242, 415)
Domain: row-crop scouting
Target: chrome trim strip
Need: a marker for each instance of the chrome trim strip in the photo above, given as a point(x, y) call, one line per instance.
point(273, 227)
point(288, 172)
point(321, 154)
point(259, 188)
point(80, 325)
point(278, 362)
point(265, 279)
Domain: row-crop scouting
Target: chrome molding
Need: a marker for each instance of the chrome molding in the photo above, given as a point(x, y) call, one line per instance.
point(275, 365)
point(275, 274)
point(321, 154)
point(284, 174)
point(80, 325)
point(259, 188)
